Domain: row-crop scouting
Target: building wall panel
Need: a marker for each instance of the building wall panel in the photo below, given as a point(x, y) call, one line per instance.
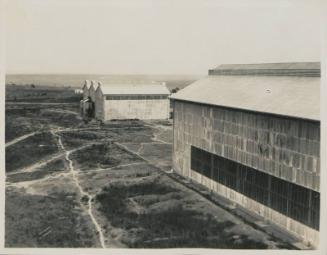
point(85, 92)
point(282, 147)
point(99, 105)
point(243, 137)
point(136, 109)
point(92, 93)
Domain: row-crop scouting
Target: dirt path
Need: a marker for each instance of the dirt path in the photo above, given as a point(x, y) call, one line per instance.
point(18, 139)
point(37, 165)
point(72, 172)
point(82, 192)
point(87, 171)
point(155, 138)
point(133, 152)
point(140, 149)
point(26, 184)
point(158, 130)
point(43, 162)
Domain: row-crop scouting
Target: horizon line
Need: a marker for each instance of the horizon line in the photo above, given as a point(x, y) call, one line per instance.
point(166, 74)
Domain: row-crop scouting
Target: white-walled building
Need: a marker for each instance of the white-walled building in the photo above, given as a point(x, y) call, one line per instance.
point(78, 91)
point(132, 101)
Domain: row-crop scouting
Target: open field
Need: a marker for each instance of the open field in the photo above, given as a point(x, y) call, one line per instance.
point(71, 184)
point(74, 80)
point(33, 93)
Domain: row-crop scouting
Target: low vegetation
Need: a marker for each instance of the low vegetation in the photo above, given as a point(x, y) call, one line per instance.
point(52, 167)
point(47, 221)
point(169, 227)
point(73, 139)
point(26, 118)
point(30, 150)
point(35, 93)
point(102, 156)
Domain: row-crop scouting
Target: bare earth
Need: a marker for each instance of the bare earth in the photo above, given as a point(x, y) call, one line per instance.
point(71, 184)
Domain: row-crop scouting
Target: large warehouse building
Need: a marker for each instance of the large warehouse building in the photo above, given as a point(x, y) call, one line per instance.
point(251, 133)
point(131, 101)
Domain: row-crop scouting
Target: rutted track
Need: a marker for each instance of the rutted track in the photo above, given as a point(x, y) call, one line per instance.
point(18, 139)
point(82, 192)
point(41, 163)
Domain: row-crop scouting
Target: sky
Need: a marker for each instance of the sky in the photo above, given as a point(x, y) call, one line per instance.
point(157, 36)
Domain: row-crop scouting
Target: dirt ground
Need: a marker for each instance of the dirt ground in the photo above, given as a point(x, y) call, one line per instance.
point(71, 184)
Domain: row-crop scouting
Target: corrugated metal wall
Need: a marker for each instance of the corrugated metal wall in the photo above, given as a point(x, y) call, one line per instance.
point(282, 147)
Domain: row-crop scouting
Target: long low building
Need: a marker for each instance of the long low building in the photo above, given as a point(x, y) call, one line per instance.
point(251, 133)
point(132, 101)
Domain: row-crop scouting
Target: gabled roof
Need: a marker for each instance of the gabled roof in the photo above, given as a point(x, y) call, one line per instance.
point(94, 84)
point(293, 96)
point(311, 69)
point(134, 89)
point(87, 84)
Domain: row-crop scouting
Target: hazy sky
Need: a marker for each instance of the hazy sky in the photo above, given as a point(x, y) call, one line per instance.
point(157, 36)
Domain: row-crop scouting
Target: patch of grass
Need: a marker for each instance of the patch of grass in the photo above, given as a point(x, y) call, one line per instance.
point(14, 131)
point(38, 221)
point(138, 175)
point(40, 94)
point(27, 111)
point(78, 138)
point(62, 119)
point(170, 227)
point(30, 150)
point(103, 155)
point(113, 201)
point(166, 136)
point(18, 122)
point(132, 134)
point(26, 118)
point(50, 168)
point(160, 154)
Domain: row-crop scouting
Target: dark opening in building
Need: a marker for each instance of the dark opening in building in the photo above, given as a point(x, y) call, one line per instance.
point(297, 202)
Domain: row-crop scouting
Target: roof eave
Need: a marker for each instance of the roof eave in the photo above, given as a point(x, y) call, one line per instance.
point(247, 110)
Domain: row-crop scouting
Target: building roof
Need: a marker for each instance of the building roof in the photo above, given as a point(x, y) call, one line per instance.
point(311, 69)
point(294, 96)
point(134, 89)
point(87, 84)
point(94, 84)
